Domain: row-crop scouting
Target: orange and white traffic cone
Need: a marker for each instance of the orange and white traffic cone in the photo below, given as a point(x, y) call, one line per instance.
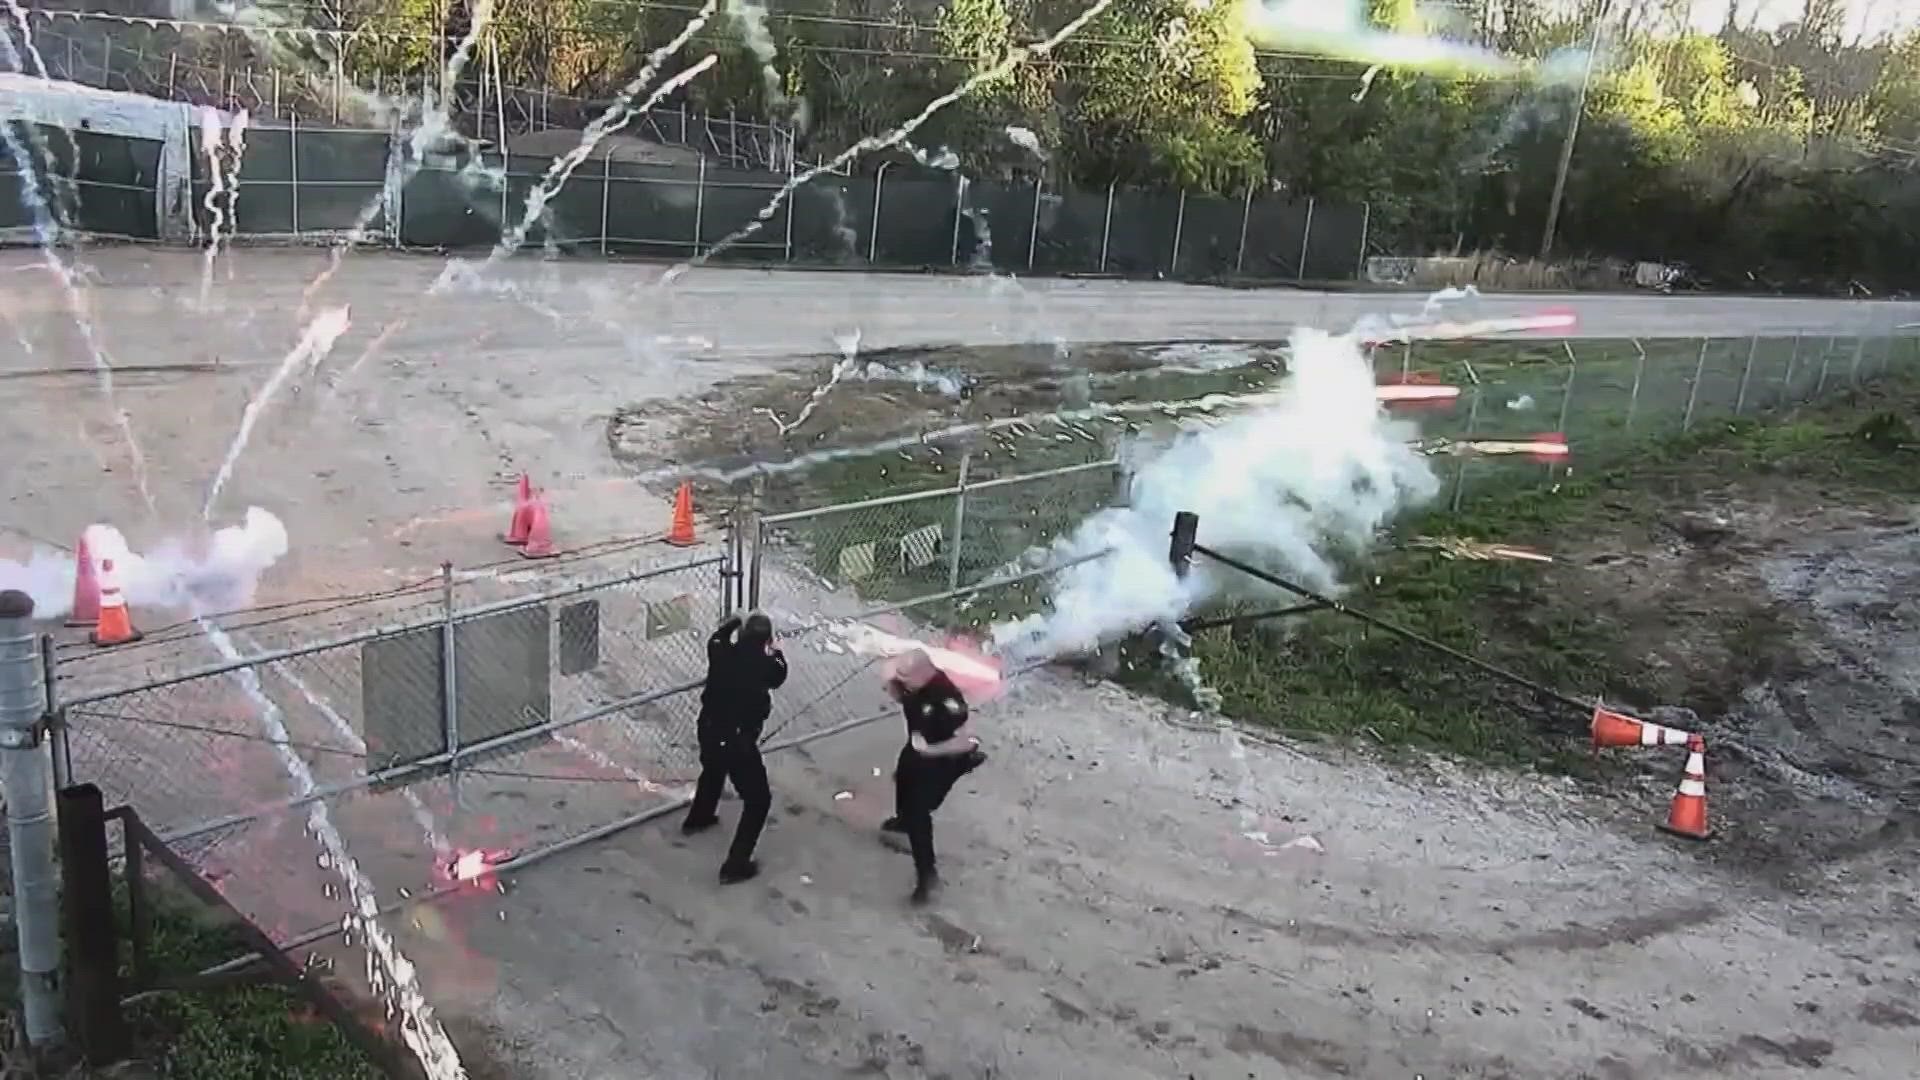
point(539, 541)
point(1618, 729)
point(116, 625)
point(681, 534)
point(86, 587)
point(1688, 817)
point(522, 522)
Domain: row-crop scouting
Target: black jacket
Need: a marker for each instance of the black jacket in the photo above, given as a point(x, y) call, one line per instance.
point(741, 678)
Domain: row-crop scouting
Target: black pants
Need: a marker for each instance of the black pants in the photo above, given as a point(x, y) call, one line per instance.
point(733, 757)
point(920, 785)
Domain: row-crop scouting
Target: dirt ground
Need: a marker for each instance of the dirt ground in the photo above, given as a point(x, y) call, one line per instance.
point(1120, 898)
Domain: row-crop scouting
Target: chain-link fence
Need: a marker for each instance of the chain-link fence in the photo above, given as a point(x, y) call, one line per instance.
point(1606, 398)
point(466, 731)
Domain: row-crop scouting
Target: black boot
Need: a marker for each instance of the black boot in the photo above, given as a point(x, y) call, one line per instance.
point(924, 886)
point(732, 873)
point(697, 825)
point(893, 825)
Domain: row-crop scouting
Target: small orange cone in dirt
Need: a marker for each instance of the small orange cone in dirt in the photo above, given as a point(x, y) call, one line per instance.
point(539, 541)
point(116, 625)
point(681, 535)
point(1618, 729)
point(522, 522)
point(86, 587)
point(1688, 817)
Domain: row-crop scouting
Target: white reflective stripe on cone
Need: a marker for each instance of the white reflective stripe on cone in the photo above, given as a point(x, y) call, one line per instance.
point(1656, 735)
point(1694, 787)
point(1697, 765)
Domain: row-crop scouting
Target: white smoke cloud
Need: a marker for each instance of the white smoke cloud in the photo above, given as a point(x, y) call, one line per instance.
point(219, 575)
point(1294, 485)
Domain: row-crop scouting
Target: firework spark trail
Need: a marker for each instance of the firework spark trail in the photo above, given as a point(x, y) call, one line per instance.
point(617, 115)
point(46, 230)
point(429, 827)
point(314, 345)
point(433, 124)
point(69, 207)
point(223, 147)
point(1014, 58)
point(390, 974)
point(849, 358)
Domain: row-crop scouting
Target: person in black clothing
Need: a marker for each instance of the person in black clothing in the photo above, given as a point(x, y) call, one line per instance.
point(940, 750)
point(743, 668)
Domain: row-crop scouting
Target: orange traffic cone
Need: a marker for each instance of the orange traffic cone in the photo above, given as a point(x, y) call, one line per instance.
point(539, 540)
point(1688, 817)
point(1618, 729)
point(522, 522)
point(681, 534)
point(116, 626)
point(86, 587)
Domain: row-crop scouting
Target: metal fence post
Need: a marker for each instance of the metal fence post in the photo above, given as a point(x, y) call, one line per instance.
point(1366, 226)
point(1033, 229)
point(1746, 376)
point(959, 214)
point(86, 885)
point(700, 202)
point(756, 498)
point(786, 253)
point(1853, 373)
point(293, 167)
point(173, 67)
point(449, 682)
point(606, 198)
point(1639, 373)
point(1566, 404)
point(1793, 358)
point(1306, 240)
point(1693, 392)
point(1179, 222)
point(276, 92)
point(1460, 467)
point(26, 774)
point(873, 227)
point(1106, 230)
point(1826, 359)
point(1246, 212)
point(959, 520)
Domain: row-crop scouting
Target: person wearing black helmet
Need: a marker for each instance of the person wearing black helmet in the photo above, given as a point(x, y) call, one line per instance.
point(941, 748)
point(744, 667)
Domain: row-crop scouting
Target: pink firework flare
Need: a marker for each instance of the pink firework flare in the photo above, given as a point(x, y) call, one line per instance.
point(475, 867)
point(976, 674)
point(1416, 390)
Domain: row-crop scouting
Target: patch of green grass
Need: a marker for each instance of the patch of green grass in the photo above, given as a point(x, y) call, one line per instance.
point(1330, 675)
point(258, 1032)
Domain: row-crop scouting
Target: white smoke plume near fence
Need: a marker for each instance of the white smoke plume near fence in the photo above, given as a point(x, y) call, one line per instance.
point(1298, 484)
point(220, 574)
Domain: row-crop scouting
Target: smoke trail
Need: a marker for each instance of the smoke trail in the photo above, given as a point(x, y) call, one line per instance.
point(70, 201)
point(849, 359)
point(390, 974)
point(1296, 485)
point(617, 115)
point(314, 345)
point(433, 127)
point(35, 203)
point(223, 148)
point(1026, 140)
point(1020, 54)
point(752, 20)
point(218, 576)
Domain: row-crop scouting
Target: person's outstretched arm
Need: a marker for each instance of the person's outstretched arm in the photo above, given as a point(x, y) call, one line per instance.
point(776, 668)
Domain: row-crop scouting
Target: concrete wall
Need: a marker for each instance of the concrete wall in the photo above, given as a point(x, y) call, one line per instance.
point(110, 112)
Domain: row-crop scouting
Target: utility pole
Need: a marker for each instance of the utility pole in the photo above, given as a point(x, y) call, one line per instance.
point(1573, 136)
point(26, 775)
